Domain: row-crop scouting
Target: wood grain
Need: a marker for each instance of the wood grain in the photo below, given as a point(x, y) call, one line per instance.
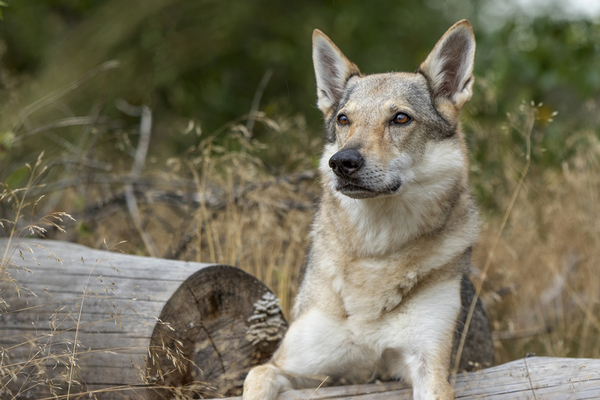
point(552, 378)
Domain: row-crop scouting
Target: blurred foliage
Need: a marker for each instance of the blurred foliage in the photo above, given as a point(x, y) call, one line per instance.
point(202, 61)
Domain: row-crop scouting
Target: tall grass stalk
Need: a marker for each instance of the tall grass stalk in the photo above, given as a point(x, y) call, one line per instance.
point(525, 131)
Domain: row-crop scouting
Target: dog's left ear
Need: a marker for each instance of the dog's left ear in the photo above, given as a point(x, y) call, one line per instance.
point(449, 66)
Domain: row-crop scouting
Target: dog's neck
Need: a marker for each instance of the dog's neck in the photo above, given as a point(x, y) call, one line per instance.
point(379, 226)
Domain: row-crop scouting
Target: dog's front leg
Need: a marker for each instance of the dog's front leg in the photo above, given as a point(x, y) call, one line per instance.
point(264, 383)
point(315, 346)
point(429, 376)
point(423, 351)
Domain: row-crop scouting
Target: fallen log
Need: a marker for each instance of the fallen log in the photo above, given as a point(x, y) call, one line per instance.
point(76, 322)
point(543, 378)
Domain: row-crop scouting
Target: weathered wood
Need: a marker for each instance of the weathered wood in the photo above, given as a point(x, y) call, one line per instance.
point(214, 331)
point(131, 326)
point(551, 378)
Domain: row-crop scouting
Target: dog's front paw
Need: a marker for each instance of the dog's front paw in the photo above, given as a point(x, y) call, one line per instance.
point(261, 384)
point(439, 391)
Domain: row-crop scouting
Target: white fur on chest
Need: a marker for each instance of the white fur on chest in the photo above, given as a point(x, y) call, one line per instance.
point(356, 345)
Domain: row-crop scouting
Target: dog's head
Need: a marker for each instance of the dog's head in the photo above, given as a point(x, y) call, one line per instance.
point(386, 131)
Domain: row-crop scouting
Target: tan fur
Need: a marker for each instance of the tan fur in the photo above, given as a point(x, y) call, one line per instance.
point(393, 232)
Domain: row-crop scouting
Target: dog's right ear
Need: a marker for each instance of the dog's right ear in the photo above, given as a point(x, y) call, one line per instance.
point(332, 70)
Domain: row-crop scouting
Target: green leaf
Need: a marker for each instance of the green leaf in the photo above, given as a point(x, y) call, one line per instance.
point(2, 4)
point(84, 229)
point(18, 178)
point(7, 138)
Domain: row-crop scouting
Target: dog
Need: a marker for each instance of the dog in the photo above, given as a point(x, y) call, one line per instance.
point(391, 240)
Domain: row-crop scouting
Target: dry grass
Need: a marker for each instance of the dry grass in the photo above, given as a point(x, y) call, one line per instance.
point(548, 258)
point(237, 221)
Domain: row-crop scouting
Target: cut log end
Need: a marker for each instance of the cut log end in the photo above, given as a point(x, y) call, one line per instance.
point(214, 328)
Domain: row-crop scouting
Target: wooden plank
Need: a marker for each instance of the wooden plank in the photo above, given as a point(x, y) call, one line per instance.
point(91, 317)
point(104, 392)
point(65, 257)
point(551, 378)
point(130, 287)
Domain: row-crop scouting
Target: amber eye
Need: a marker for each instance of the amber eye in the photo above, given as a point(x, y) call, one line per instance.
point(343, 120)
point(401, 119)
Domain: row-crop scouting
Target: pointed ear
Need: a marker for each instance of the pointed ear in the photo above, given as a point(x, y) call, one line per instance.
point(332, 69)
point(449, 66)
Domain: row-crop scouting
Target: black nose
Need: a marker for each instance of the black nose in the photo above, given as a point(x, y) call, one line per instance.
point(346, 162)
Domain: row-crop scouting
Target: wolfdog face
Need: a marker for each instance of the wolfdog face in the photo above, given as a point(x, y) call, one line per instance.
point(389, 132)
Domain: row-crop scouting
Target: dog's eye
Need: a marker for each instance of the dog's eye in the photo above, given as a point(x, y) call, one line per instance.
point(401, 119)
point(343, 120)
